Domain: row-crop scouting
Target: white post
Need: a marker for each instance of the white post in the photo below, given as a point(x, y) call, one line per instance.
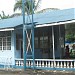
point(61, 65)
point(22, 63)
point(64, 64)
point(53, 44)
point(74, 64)
point(37, 64)
point(48, 63)
point(58, 64)
point(71, 65)
point(52, 65)
point(68, 64)
point(42, 63)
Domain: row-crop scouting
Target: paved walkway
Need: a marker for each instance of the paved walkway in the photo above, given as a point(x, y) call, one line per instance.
point(34, 72)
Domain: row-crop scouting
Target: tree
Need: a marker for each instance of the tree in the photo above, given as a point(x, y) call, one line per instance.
point(3, 16)
point(47, 9)
point(28, 7)
point(70, 32)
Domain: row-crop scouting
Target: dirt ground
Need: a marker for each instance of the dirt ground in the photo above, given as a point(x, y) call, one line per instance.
point(34, 72)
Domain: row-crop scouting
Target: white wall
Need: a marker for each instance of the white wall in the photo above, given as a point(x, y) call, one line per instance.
point(13, 46)
point(4, 54)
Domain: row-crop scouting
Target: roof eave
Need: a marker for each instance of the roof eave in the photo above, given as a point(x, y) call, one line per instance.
point(56, 23)
point(7, 29)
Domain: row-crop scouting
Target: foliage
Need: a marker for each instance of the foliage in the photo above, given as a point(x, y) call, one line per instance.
point(3, 16)
point(47, 9)
point(70, 32)
point(28, 6)
point(70, 37)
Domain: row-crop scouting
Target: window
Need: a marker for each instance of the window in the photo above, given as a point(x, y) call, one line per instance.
point(0, 43)
point(5, 43)
point(41, 42)
point(36, 42)
point(44, 42)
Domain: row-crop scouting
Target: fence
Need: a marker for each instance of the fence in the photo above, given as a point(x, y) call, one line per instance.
point(60, 64)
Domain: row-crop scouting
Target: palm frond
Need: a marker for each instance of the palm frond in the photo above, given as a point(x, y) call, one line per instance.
point(37, 4)
point(28, 5)
point(18, 5)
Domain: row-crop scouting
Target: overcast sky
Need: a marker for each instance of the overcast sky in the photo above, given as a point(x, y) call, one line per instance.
point(7, 5)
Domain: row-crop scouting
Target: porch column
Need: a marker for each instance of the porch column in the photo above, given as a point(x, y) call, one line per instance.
point(53, 44)
point(13, 45)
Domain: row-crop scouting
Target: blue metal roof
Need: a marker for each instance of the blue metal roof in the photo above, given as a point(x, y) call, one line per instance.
point(11, 22)
point(41, 18)
point(56, 16)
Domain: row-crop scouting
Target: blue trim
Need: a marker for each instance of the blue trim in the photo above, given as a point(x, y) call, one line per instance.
point(32, 35)
point(67, 69)
point(19, 67)
point(1, 66)
point(46, 68)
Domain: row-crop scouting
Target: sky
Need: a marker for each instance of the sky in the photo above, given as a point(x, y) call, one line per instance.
point(8, 5)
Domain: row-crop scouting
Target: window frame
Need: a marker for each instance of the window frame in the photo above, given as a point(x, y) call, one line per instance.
point(5, 41)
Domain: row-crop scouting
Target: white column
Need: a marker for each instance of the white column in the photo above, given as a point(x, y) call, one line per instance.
point(13, 46)
point(53, 44)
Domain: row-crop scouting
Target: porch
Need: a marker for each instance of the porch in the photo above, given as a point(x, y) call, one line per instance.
point(48, 54)
point(43, 43)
